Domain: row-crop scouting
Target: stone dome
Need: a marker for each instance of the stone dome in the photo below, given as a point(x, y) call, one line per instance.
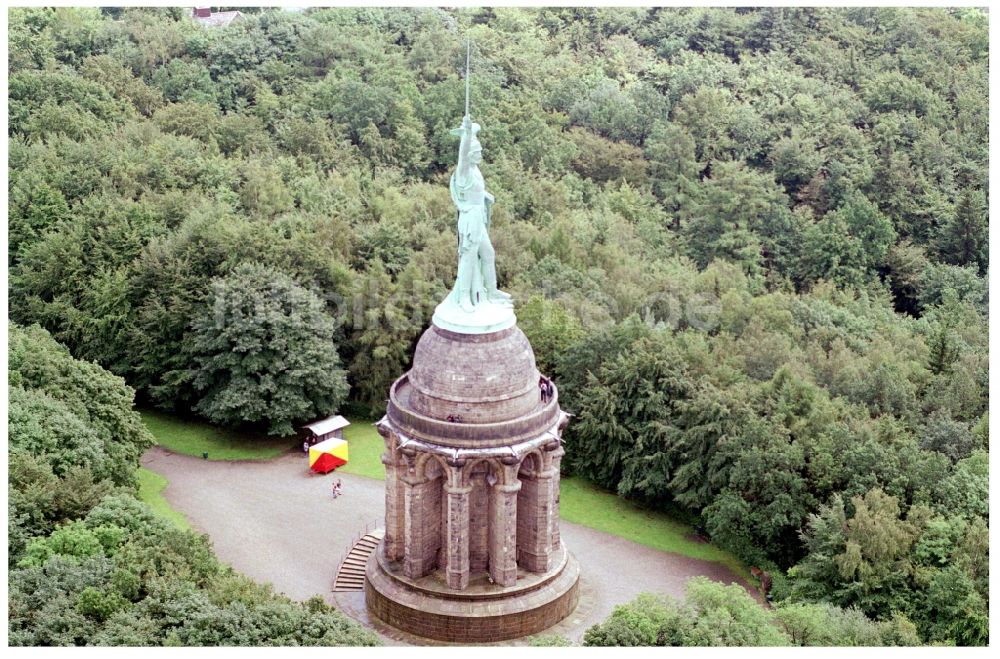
point(479, 389)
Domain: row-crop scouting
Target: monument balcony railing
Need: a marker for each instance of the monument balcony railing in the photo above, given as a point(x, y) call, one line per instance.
point(481, 435)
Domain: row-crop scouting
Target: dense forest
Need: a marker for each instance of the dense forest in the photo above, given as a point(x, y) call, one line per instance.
point(750, 245)
point(89, 564)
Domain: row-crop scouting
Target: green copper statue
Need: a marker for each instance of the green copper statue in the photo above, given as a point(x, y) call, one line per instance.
point(476, 283)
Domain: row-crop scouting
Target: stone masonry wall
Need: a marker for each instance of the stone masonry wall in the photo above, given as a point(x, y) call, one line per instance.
point(432, 510)
point(527, 614)
point(528, 532)
point(479, 512)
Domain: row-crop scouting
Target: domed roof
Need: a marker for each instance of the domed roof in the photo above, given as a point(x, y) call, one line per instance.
point(472, 389)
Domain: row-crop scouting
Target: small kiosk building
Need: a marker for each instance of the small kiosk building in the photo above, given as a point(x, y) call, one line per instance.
point(329, 428)
point(326, 444)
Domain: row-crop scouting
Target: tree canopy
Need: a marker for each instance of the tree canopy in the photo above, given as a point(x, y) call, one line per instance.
point(749, 245)
point(89, 564)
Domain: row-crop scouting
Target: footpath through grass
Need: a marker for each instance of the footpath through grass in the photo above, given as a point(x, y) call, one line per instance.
point(151, 486)
point(581, 502)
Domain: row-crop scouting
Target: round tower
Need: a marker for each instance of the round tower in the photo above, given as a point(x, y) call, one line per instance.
point(472, 551)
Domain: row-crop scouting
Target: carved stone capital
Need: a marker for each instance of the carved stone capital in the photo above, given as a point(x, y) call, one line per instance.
point(508, 488)
point(412, 479)
point(457, 490)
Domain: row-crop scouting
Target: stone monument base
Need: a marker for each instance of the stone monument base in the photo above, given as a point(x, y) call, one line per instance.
point(482, 613)
point(486, 318)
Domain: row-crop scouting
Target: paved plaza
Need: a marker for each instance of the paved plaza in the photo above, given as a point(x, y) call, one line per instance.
point(276, 522)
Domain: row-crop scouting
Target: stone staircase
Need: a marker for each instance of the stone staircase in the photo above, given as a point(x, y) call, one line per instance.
point(351, 574)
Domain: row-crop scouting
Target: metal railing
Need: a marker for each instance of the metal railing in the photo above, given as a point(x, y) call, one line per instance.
point(482, 434)
point(369, 527)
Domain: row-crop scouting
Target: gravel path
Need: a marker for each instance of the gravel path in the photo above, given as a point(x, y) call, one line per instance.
point(276, 522)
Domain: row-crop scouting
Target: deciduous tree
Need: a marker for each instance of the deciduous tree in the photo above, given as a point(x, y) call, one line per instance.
point(264, 352)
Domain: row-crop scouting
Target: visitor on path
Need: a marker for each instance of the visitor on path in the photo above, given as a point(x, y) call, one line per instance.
point(305, 446)
point(336, 488)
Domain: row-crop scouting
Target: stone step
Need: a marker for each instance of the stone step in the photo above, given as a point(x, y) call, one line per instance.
point(357, 579)
point(350, 579)
point(347, 583)
point(351, 573)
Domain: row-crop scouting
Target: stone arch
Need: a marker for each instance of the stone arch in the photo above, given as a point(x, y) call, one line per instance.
point(533, 463)
point(492, 468)
point(424, 471)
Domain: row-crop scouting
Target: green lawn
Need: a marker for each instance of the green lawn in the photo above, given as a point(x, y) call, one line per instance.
point(580, 501)
point(583, 503)
point(195, 437)
point(365, 446)
point(151, 485)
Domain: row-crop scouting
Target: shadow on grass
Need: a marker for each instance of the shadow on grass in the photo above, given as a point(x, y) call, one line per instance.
point(193, 437)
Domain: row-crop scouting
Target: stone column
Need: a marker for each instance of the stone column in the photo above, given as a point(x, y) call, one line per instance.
point(394, 509)
point(535, 505)
point(503, 531)
point(479, 523)
point(414, 527)
point(456, 536)
point(555, 457)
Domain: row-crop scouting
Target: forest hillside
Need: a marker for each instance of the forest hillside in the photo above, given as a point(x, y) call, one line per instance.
point(750, 246)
